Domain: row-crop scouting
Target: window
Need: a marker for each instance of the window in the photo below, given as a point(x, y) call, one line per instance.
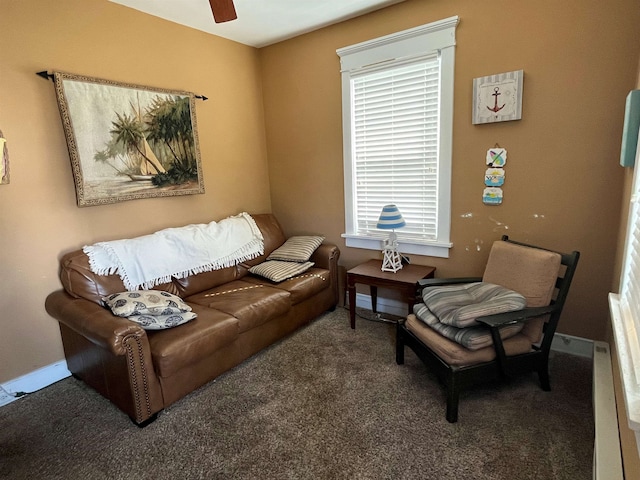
point(625, 310)
point(397, 99)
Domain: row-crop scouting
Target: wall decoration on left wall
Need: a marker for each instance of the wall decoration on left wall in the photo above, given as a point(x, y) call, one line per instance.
point(128, 142)
point(4, 160)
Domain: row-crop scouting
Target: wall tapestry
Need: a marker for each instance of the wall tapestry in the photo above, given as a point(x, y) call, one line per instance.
point(127, 141)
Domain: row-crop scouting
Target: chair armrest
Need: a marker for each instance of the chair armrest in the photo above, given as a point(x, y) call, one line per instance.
point(97, 324)
point(433, 282)
point(509, 318)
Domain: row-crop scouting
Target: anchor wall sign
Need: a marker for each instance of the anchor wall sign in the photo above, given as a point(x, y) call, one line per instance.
point(497, 98)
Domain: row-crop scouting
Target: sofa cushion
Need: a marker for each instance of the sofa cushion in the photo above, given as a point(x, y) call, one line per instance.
point(203, 281)
point(273, 238)
point(277, 271)
point(460, 305)
point(301, 287)
point(145, 302)
point(177, 348)
point(297, 249)
point(252, 304)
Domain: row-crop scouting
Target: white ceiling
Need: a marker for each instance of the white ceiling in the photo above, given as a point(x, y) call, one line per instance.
point(260, 22)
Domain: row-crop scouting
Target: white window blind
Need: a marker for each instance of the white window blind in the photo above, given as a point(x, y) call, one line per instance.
point(630, 285)
point(625, 310)
point(395, 145)
point(397, 120)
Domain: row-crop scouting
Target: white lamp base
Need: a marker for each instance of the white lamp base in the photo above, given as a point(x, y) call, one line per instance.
point(392, 261)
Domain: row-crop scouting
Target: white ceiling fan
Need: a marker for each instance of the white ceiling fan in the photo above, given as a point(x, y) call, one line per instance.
point(223, 10)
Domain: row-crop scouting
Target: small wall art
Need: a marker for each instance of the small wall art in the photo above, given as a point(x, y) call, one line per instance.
point(497, 98)
point(494, 177)
point(630, 129)
point(4, 160)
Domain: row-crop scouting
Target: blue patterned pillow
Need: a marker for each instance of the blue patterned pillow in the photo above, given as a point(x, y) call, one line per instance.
point(145, 302)
point(160, 322)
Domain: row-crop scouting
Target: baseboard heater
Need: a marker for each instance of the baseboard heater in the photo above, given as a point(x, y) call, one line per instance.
point(607, 459)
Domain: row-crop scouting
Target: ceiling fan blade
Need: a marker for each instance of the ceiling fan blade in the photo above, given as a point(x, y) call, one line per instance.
point(223, 10)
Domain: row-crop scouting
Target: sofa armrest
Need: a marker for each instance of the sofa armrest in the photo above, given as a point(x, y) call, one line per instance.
point(326, 256)
point(109, 353)
point(97, 324)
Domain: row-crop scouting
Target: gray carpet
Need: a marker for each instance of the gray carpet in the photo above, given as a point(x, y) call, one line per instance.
point(325, 403)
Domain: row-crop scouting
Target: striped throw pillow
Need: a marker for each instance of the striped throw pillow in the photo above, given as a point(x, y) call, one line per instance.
point(473, 338)
point(297, 249)
point(277, 270)
point(460, 305)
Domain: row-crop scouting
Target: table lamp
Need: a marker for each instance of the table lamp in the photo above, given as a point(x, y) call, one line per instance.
point(390, 219)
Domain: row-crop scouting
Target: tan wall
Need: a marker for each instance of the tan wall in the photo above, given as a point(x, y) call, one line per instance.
point(39, 219)
point(563, 179)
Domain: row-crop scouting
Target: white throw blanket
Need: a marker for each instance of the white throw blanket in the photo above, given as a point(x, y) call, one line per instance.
point(150, 260)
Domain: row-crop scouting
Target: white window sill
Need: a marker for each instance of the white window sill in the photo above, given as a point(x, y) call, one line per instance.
point(628, 351)
point(430, 249)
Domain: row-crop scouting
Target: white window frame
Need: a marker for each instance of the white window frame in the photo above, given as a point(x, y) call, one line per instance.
point(437, 37)
point(625, 310)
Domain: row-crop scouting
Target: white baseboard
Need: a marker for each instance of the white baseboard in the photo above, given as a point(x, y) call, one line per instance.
point(563, 343)
point(607, 455)
point(582, 347)
point(33, 381)
point(385, 305)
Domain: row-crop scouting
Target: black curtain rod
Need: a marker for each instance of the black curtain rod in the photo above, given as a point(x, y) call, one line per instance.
point(49, 76)
point(46, 75)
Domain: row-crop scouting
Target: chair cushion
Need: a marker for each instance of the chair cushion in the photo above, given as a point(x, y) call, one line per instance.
point(454, 353)
point(473, 338)
point(527, 270)
point(460, 305)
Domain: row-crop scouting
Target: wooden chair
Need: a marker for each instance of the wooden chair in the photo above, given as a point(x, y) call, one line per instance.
point(542, 276)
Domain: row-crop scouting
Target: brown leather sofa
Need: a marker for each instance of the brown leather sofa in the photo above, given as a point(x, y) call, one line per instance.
point(143, 371)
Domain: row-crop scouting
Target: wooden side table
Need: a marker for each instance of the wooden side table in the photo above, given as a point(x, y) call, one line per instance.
point(370, 273)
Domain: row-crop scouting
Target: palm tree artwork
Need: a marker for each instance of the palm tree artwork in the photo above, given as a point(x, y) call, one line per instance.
point(166, 125)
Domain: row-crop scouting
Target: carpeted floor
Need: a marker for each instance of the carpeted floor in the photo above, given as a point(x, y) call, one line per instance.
point(327, 402)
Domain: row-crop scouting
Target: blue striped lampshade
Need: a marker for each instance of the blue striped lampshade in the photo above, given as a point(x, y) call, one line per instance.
point(390, 218)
